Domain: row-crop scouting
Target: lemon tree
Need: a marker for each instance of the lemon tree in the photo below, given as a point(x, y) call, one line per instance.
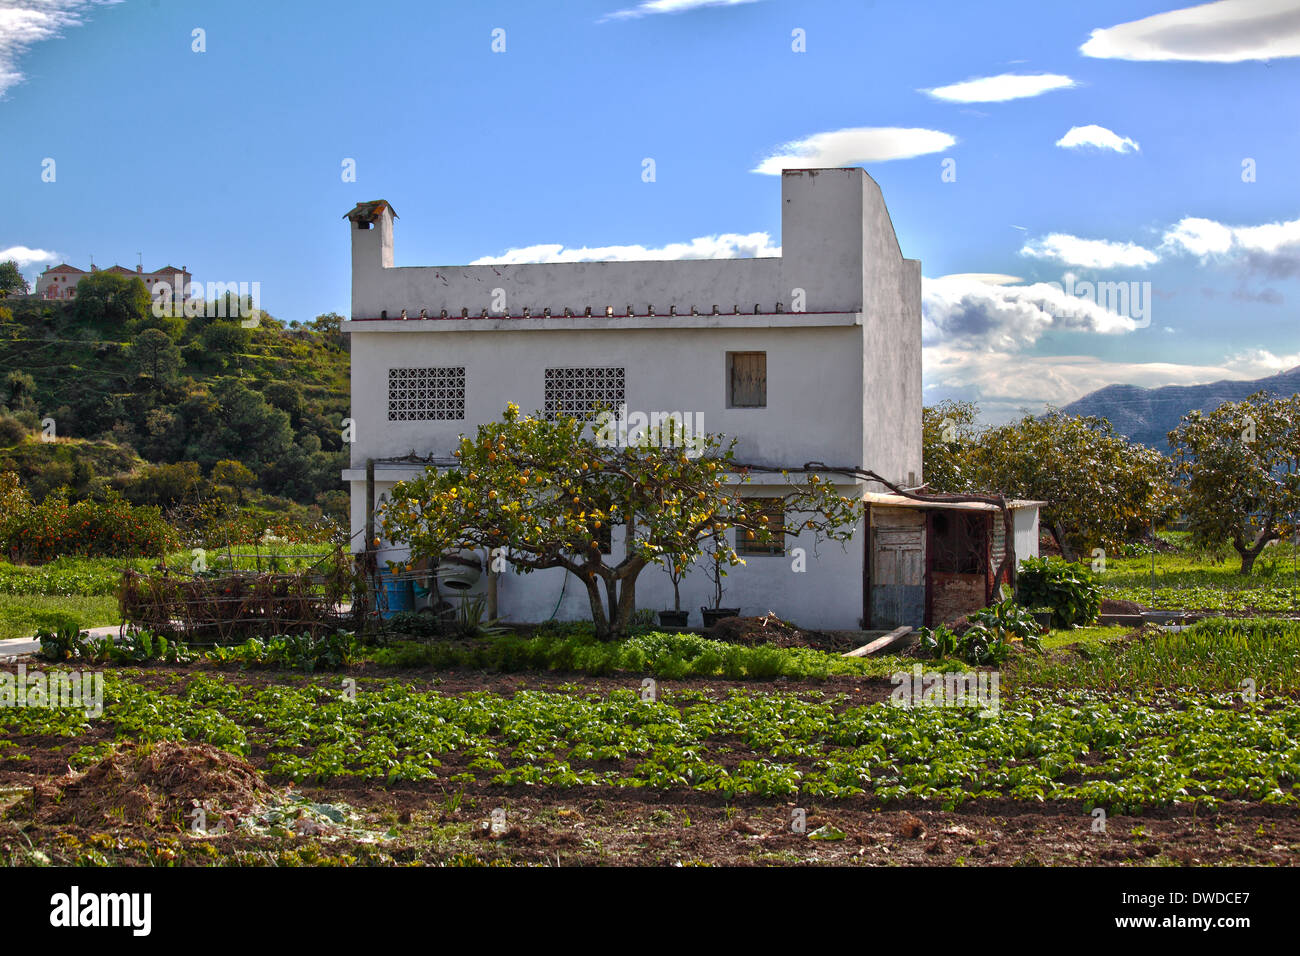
point(545, 493)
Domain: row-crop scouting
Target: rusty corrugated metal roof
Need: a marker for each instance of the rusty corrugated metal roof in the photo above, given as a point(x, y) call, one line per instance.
point(370, 211)
point(887, 500)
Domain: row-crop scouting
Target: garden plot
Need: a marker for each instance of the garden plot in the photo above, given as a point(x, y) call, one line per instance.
point(463, 765)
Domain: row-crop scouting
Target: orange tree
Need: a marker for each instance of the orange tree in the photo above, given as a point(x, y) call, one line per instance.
point(544, 492)
point(1240, 472)
point(1099, 487)
point(949, 436)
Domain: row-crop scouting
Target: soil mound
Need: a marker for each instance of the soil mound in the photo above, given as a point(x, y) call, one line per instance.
point(151, 785)
point(769, 629)
point(1110, 606)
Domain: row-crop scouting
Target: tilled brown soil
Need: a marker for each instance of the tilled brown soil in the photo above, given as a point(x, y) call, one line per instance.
point(664, 830)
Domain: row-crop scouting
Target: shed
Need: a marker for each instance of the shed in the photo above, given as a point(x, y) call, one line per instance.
point(930, 561)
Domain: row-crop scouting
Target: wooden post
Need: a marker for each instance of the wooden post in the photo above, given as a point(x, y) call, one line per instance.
point(370, 504)
point(867, 556)
point(371, 563)
point(1153, 561)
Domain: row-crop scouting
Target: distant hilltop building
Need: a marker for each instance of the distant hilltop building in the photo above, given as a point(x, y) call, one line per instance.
point(60, 282)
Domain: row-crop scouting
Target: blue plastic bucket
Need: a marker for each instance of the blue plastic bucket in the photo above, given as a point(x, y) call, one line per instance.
point(398, 595)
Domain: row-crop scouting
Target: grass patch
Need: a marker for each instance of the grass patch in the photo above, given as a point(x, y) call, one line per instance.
point(1214, 656)
point(1187, 579)
point(102, 576)
point(1083, 635)
point(23, 615)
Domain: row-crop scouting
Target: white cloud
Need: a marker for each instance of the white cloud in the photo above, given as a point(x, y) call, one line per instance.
point(726, 246)
point(1204, 237)
point(24, 23)
point(1259, 363)
point(990, 278)
point(1272, 248)
point(847, 147)
point(651, 7)
point(1090, 253)
point(1097, 137)
point(976, 315)
point(999, 89)
point(27, 257)
point(1004, 383)
point(1228, 31)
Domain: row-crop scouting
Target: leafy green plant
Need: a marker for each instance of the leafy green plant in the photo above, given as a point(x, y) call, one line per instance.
point(989, 637)
point(938, 642)
point(1068, 589)
point(65, 643)
point(1011, 622)
point(1117, 752)
point(292, 651)
point(471, 612)
point(669, 656)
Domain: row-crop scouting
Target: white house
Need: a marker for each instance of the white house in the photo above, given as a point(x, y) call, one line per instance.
point(811, 356)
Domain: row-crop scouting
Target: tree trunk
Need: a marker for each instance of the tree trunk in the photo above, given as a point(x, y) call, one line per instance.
point(624, 608)
point(1058, 535)
point(1248, 555)
point(598, 617)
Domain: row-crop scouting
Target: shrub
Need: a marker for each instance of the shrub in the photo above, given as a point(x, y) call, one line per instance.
point(109, 528)
point(12, 431)
point(1070, 591)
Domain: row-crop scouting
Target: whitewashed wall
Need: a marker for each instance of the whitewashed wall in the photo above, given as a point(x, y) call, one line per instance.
point(843, 374)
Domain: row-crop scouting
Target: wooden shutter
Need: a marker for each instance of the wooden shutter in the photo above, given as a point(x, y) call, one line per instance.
point(748, 379)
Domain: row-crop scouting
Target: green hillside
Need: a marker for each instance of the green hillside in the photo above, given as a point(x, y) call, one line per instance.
point(166, 409)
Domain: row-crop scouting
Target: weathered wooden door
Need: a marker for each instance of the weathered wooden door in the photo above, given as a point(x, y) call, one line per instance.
point(898, 577)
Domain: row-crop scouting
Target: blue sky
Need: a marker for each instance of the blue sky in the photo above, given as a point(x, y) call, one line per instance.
point(1091, 142)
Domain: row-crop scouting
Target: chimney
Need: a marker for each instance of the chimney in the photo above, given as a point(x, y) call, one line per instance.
point(372, 251)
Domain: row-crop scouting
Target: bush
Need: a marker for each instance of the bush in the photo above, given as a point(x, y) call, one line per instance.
point(12, 431)
point(109, 528)
point(1070, 591)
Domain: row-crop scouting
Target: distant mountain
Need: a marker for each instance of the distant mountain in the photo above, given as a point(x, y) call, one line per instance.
point(1147, 415)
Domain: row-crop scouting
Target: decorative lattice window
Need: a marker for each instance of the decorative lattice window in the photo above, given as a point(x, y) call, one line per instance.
point(426, 394)
point(580, 392)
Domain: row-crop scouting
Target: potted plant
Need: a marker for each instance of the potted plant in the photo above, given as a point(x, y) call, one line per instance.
point(716, 573)
point(676, 617)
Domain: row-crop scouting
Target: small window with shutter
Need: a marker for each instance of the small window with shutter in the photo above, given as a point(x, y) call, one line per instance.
point(747, 542)
point(746, 379)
